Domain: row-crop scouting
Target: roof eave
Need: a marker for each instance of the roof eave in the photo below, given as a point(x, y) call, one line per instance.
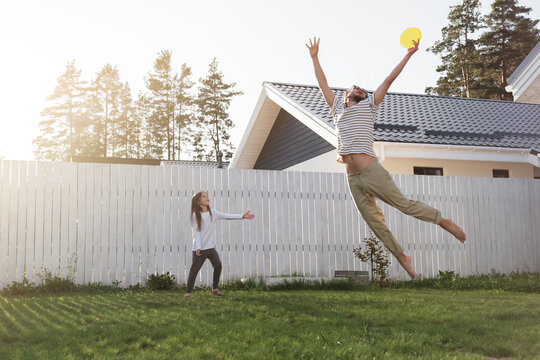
point(521, 67)
point(302, 114)
point(455, 152)
point(239, 150)
point(525, 80)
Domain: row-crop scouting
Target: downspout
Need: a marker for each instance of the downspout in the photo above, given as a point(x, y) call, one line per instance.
point(534, 158)
point(383, 154)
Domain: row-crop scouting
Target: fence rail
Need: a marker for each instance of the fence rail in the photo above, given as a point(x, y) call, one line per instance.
point(109, 222)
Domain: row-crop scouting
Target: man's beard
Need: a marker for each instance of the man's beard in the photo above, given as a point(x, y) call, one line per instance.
point(355, 98)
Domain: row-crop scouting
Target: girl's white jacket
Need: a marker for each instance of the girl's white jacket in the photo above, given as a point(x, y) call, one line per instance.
point(204, 239)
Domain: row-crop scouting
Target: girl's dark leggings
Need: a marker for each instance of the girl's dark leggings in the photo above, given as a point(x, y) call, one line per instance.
point(198, 262)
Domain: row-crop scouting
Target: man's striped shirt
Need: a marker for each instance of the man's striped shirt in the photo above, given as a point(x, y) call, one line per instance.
point(354, 126)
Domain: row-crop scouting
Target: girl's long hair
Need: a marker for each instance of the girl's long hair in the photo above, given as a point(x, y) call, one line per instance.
point(196, 209)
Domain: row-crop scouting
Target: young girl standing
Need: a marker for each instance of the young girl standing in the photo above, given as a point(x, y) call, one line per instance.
point(202, 222)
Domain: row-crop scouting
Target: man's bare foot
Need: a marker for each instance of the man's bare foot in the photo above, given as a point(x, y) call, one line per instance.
point(405, 262)
point(188, 295)
point(452, 228)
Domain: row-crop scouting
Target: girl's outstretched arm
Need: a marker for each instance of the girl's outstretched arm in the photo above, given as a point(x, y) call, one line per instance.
point(221, 215)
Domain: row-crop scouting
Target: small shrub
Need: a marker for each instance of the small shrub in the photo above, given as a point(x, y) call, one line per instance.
point(51, 283)
point(161, 282)
point(377, 256)
point(136, 287)
point(20, 288)
point(448, 280)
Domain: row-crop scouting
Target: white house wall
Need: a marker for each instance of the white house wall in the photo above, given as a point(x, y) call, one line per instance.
point(323, 163)
point(459, 167)
point(402, 165)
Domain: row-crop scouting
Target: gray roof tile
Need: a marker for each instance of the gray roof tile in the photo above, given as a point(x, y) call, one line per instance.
point(433, 119)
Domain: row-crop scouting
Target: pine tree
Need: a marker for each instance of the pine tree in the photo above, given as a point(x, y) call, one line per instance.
point(458, 51)
point(183, 112)
point(142, 113)
point(126, 136)
point(104, 110)
point(508, 40)
point(213, 123)
point(61, 128)
point(162, 84)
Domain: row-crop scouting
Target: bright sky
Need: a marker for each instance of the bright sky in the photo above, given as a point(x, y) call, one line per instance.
point(253, 40)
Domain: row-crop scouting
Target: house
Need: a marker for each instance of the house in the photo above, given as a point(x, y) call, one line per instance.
point(291, 129)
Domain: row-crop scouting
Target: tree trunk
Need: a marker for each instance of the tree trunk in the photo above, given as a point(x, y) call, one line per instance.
point(466, 65)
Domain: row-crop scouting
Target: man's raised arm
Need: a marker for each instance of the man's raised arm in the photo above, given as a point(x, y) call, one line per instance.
point(321, 78)
point(383, 88)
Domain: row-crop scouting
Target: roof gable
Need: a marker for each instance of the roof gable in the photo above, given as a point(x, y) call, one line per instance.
point(523, 65)
point(290, 142)
point(524, 83)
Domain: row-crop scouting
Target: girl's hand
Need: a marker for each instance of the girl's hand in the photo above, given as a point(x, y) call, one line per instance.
point(248, 215)
point(198, 252)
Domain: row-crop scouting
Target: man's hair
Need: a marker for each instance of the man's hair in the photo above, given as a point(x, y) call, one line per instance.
point(364, 90)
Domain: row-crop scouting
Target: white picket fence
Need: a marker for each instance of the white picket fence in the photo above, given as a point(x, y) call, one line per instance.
point(107, 223)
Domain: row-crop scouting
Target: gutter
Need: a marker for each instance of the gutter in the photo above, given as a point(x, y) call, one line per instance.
point(449, 152)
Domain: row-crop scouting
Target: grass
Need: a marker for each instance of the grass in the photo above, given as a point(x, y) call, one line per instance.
point(254, 324)
point(523, 282)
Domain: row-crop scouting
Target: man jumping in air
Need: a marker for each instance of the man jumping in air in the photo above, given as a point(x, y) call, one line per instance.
point(354, 116)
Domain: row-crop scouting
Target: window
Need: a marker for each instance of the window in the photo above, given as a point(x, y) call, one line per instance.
point(427, 171)
point(501, 173)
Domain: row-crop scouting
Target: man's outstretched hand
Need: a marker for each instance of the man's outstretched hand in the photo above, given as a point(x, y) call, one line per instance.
point(414, 48)
point(313, 47)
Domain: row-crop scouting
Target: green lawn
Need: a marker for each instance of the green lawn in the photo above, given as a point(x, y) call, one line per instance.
point(255, 324)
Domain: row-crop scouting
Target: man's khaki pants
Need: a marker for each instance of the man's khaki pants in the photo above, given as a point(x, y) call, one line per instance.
point(375, 182)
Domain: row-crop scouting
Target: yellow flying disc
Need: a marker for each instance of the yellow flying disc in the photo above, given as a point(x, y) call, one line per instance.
point(408, 36)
